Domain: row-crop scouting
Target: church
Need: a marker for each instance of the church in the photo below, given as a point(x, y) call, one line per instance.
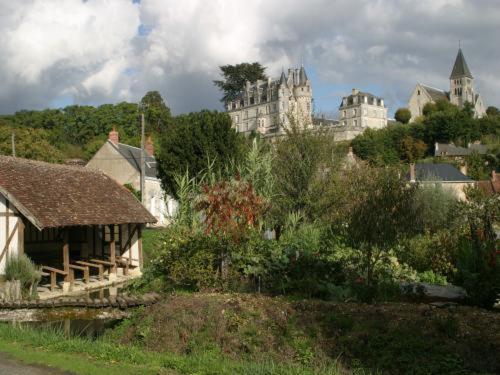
point(461, 91)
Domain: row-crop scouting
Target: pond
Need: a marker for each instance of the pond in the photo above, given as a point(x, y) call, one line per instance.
point(82, 322)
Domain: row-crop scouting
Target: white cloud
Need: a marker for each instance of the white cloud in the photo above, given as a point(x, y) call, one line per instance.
point(92, 50)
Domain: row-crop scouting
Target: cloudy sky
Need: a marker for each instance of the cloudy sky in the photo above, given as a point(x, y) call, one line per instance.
point(59, 52)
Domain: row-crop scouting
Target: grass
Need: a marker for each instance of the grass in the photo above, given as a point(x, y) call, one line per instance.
point(82, 356)
point(151, 241)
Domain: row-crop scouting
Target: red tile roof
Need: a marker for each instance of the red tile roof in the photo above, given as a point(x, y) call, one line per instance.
point(54, 195)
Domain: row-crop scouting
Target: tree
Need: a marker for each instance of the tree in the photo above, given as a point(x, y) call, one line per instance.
point(235, 77)
point(302, 159)
point(157, 114)
point(403, 115)
point(194, 141)
point(413, 149)
point(492, 111)
point(374, 211)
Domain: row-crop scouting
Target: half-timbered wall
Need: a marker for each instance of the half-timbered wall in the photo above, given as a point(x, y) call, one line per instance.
point(11, 232)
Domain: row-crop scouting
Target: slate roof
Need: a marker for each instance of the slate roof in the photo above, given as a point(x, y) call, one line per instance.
point(55, 195)
point(133, 156)
point(438, 172)
point(445, 149)
point(460, 68)
point(435, 94)
point(360, 94)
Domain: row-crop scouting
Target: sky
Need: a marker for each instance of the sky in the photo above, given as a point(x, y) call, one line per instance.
point(59, 52)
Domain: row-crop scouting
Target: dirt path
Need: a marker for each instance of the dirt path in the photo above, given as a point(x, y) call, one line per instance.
point(14, 367)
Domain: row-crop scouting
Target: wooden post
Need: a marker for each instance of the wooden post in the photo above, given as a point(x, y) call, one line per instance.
point(20, 238)
point(112, 248)
point(94, 241)
point(139, 243)
point(67, 277)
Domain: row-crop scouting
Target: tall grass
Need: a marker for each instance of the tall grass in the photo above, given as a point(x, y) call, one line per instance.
point(22, 268)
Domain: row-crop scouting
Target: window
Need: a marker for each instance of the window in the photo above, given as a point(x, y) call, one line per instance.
point(354, 112)
point(418, 92)
point(344, 114)
point(355, 123)
point(237, 119)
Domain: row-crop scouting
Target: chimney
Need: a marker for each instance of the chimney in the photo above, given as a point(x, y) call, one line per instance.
point(355, 91)
point(149, 146)
point(412, 172)
point(463, 169)
point(113, 136)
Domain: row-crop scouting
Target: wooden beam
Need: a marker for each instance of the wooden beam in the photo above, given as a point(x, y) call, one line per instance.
point(66, 254)
point(112, 248)
point(139, 243)
point(7, 244)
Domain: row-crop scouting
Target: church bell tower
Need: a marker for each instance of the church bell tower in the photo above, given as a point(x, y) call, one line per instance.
point(461, 82)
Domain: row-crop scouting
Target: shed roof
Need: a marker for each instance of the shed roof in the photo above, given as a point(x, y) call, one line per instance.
point(54, 195)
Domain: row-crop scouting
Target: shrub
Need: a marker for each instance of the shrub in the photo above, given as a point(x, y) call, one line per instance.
point(23, 269)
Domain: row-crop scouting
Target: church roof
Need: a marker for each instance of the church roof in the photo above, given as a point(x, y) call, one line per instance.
point(460, 69)
point(435, 94)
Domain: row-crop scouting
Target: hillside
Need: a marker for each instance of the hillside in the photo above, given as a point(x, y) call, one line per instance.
point(390, 337)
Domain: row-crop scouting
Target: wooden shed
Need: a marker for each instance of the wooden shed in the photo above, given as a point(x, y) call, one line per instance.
point(68, 219)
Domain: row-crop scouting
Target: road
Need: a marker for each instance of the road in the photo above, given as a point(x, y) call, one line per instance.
point(9, 366)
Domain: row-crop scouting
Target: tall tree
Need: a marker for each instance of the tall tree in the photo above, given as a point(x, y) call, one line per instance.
point(235, 76)
point(156, 112)
point(195, 140)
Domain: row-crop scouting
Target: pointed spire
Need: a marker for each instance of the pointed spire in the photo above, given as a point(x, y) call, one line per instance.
point(460, 69)
point(302, 75)
point(283, 77)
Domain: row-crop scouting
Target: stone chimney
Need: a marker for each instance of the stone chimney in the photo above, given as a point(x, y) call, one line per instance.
point(412, 172)
point(463, 168)
point(113, 136)
point(149, 146)
point(355, 91)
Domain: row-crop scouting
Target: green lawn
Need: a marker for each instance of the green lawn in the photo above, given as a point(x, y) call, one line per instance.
point(82, 356)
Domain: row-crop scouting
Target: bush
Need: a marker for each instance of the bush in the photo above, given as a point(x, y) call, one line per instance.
point(23, 269)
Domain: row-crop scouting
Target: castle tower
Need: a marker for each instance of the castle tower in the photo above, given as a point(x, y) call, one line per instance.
point(461, 82)
point(303, 94)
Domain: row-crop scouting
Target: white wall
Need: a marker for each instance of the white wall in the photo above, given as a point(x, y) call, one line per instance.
point(14, 247)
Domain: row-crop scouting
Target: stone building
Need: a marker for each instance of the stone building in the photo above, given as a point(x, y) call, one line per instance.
point(363, 110)
point(267, 106)
point(461, 91)
point(122, 162)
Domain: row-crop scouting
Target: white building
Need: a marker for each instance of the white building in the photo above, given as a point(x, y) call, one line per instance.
point(122, 162)
point(363, 110)
point(461, 91)
point(267, 106)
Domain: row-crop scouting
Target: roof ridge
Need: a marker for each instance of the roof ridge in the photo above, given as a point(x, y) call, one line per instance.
point(432, 87)
point(49, 164)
